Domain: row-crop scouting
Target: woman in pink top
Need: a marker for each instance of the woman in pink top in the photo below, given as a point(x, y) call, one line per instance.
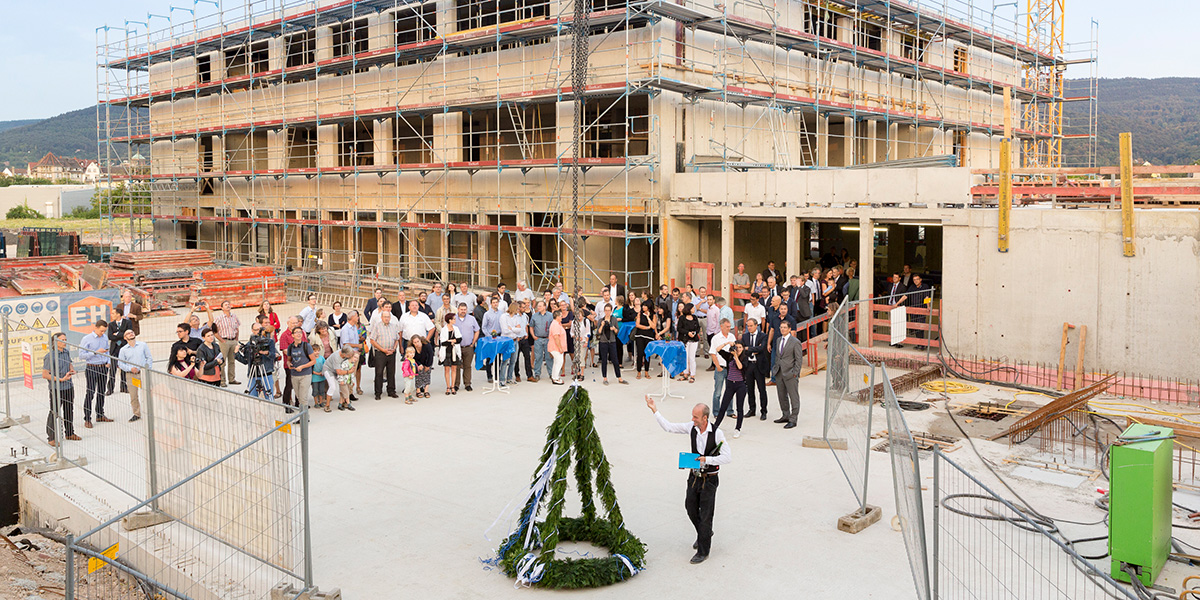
point(557, 344)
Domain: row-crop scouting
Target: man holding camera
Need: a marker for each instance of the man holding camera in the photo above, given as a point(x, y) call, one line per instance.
point(259, 354)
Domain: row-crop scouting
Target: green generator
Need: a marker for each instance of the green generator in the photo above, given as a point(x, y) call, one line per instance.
point(1139, 514)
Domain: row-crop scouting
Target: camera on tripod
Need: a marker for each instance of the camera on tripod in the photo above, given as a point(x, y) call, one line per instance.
point(251, 352)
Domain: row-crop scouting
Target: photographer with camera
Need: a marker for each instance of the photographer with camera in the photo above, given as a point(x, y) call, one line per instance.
point(259, 355)
point(182, 364)
point(301, 359)
point(193, 320)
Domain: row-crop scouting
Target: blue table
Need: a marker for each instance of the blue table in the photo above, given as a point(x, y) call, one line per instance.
point(625, 331)
point(489, 348)
point(673, 355)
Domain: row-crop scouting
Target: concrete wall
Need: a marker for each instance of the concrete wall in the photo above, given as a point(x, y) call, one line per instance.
point(901, 187)
point(36, 197)
point(1067, 265)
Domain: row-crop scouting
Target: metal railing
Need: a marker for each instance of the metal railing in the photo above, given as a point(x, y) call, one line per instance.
point(906, 482)
point(203, 494)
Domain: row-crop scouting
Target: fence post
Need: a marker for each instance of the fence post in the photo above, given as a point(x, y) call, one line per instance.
point(152, 467)
point(867, 460)
point(69, 580)
point(308, 562)
point(937, 501)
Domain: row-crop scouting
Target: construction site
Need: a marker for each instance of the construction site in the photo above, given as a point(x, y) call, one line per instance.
point(309, 153)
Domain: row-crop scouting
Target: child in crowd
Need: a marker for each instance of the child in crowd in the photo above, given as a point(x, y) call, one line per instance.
point(408, 370)
point(320, 388)
point(345, 377)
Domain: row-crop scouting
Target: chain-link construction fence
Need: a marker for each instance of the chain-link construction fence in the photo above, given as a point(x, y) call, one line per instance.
point(906, 482)
point(984, 546)
point(201, 491)
point(849, 397)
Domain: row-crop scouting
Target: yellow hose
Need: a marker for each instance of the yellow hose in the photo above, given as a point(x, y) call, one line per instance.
point(1019, 392)
point(949, 387)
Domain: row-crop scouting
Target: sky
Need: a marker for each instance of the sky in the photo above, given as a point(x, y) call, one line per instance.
point(48, 49)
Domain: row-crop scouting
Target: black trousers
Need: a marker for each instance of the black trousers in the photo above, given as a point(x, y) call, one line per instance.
point(66, 402)
point(97, 377)
point(384, 363)
point(643, 363)
point(112, 378)
point(608, 354)
point(526, 347)
point(701, 501)
point(756, 379)
point(733, 388)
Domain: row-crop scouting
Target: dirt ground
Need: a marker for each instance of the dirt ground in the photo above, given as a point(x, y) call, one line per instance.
point(32, 567)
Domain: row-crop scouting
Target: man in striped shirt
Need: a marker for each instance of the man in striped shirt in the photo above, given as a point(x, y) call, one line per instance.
point(384, 338)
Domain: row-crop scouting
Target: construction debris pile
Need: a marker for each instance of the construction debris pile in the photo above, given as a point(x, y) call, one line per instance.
point(158, 279)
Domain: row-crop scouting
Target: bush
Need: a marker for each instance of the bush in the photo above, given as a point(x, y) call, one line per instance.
point(84, 212)
point(23, 211)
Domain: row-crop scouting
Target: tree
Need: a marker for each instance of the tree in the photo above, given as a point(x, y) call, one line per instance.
point(122, 199)
point(22, 211)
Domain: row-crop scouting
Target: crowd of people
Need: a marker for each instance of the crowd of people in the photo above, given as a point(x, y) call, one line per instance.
point(315, 358)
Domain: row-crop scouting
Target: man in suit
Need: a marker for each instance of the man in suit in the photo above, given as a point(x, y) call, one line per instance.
point(373, 304)
point(755, 370)
point(920, 292)
point(770, 272)
point(906, 276)
point(131, 311)
point(895, 296)
point(786, 372)
point(615, 290)
point(116, 340)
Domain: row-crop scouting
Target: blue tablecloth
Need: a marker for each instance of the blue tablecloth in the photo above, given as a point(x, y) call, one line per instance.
point(625, 331)
point(674, 355)
point(488, 348)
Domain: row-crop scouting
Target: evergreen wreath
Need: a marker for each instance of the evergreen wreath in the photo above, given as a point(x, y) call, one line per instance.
point(528, 552)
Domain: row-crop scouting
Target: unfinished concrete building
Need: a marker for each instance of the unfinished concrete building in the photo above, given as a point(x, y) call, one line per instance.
point(399, 141)
point(430, 139)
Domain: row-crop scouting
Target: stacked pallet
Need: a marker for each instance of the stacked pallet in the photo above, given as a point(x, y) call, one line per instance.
point(46, 241)
point(162, 259)
point(242, 286)
point(39, 275)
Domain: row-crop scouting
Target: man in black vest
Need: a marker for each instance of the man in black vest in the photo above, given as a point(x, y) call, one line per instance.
point(708, 441)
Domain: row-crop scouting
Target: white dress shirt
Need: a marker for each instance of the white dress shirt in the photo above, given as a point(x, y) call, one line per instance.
point(418, 324)
point(758, 313)
point(724, 455)
point(716, 343)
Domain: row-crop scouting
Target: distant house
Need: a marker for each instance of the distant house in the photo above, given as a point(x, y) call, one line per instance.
point(13, 172)
point(60, 167)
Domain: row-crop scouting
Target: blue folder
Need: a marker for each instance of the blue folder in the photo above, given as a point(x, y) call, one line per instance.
point(687, 460)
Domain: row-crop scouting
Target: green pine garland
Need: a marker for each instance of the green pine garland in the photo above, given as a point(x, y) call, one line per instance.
point(574, 430)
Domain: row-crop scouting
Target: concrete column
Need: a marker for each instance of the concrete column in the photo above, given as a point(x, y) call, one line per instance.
point(866, 274)
point(849, 133)
point(728, 267)
point(218, 150)
point(793, 262)
point(446, 15)
point(276, 150)
point(276, 51)
point(485, 252)
point(408, 242)
point(327, 146)
point(447, 137)
point(845, 30)
point(520, 258)
point(324, 43)
point(381, 31)
point(822, 141)
point(384, 142)
point(893, 141)
point(870, 155)
point(564, 135)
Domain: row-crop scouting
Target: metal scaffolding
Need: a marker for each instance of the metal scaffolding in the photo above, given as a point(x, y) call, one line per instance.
point(436, 139)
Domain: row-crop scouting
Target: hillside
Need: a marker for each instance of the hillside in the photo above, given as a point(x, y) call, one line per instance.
point(1163, 114)
point(6, 125)
point(69, 134)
